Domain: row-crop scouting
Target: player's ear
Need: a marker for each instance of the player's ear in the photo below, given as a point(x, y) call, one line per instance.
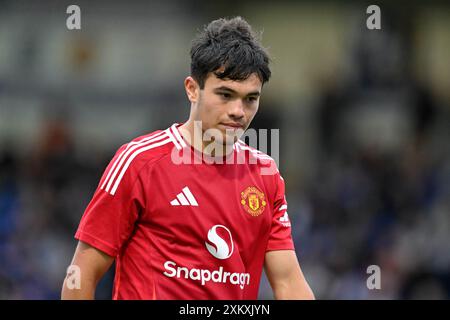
point(192, 89)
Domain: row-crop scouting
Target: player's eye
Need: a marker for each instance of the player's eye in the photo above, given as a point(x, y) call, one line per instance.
point(252, 99)
point(224, 95)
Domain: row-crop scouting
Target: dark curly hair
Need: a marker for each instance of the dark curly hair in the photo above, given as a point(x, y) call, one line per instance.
point(231, 44)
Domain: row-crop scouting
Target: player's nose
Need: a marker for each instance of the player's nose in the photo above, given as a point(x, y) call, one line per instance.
point(236, 109)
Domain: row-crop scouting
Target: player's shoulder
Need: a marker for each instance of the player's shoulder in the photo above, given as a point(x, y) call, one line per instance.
point(133, 156)
point(241, 146)
point(150, 146)
point(255, 156)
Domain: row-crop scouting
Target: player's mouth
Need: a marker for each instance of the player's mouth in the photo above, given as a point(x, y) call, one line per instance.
point(231, 125)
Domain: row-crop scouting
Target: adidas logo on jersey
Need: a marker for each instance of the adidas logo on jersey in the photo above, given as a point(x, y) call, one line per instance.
point(184, 198)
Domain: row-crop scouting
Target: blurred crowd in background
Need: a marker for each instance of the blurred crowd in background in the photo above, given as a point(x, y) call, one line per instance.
point(364, 119)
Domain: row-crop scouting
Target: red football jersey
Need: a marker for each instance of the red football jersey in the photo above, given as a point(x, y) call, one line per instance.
point(194, 229)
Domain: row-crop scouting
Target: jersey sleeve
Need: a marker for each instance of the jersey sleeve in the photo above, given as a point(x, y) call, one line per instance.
point(110, 217)
point(280, 237)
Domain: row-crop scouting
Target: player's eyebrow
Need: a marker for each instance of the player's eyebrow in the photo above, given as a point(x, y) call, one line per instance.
point(224, 88)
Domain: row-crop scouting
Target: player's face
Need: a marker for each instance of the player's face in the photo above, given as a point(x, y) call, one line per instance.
point(228, 106)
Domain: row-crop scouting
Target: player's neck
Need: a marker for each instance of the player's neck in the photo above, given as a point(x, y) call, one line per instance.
point(193, 135)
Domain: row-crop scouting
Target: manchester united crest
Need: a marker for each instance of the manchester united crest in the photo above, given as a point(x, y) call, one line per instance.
point(253, 201)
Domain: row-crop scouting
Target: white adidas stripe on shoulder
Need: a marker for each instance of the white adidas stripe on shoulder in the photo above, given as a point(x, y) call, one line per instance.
point(127, 164)
point(133, 149)
point(173, 138)
point(129, 145)
point(255, 152)
point(177, 135)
